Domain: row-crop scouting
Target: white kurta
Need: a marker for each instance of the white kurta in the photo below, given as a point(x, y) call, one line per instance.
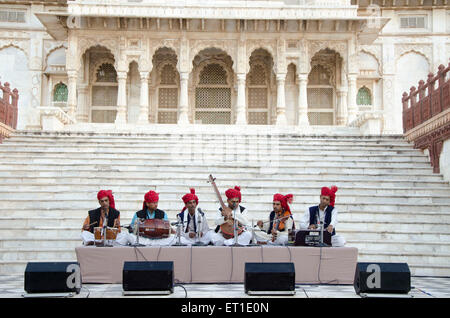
point(261, 235)
point(336, 240)
point(201, 228)
point(241, 217)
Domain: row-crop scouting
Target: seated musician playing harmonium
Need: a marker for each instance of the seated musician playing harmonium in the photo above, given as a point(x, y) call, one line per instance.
point(325, 213)
point(163, 232)
point(93, 230)
point(275, 231)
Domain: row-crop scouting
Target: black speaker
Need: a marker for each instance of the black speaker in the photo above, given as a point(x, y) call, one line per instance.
point(386, 278)
point(269, 277)
point(148, 276)
point(52, 277)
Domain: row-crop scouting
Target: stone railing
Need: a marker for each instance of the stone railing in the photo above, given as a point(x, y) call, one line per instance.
point(8, 110)
point(426, 114)
point(54, 118)
point(369, 122)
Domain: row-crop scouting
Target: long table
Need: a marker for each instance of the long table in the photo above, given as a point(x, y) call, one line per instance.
point(220, 264)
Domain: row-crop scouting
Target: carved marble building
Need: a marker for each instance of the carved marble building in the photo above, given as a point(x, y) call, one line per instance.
point(297, 63)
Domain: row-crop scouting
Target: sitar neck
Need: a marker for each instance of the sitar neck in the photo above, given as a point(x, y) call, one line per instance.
point(216, 190)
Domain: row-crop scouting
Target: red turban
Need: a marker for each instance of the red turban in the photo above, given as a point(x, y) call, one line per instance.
point(330, 192)
point(190, 196)
point(107, 193)
point(150, 197)
point(284, 200)
point(234, 193)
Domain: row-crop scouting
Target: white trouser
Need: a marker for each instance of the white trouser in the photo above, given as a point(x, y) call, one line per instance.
point(261, 236)
point(244, 239)
point(205, 239)
point(121, 239)
point(153, 242)
point(337, 241)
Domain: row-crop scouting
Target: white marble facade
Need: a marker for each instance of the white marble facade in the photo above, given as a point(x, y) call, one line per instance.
point(293, 63)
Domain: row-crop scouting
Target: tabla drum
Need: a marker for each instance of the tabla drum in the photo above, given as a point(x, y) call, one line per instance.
point(155, 229)
point(111, 233)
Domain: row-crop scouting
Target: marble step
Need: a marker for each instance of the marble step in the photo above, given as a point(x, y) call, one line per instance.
point(252, 202)
point(401, 246)
point(212, 152)
point(12, 243)
point(176, 204)
point(256, 176)
point(405, 257)
point(24, 254)
point(207, 197)
point(138, 159)
point(372, 232)
point(177, 165)
point(18, 267)
point(201, 190)
point(346, 220)
point(383, 229)
point(208, 141)
point(98, 137)
point(166, 184)
point(397, 236)
point(417, 269)
point(394, 227)
point(344, 216)
point(214, 149)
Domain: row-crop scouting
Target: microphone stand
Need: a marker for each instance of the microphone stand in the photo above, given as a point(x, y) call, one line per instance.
point(197, 235)
point(180, 228)
point(138, 222)
point(105, 225)
point(253, 236)
point(235, 244)
point(321, 243)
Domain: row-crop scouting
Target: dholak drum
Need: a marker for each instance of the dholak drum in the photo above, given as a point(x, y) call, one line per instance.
point(155, 229)
point(111, 233)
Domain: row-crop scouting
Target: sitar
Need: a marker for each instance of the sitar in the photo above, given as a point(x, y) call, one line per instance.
point(226, 228)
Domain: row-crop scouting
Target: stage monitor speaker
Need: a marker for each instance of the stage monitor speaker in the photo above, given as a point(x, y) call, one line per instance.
point(385, 278)
point(52, 277)
point(269, 278)
point(147, 277)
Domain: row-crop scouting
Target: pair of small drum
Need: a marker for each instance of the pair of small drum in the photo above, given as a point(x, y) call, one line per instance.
point(111, 235)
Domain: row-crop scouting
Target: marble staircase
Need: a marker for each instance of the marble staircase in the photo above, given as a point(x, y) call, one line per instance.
point(392, 207)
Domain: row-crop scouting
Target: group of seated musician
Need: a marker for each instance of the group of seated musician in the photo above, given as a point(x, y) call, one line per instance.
point(232, 224)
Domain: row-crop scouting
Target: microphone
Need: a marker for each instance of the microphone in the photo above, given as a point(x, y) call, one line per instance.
point(318, 217)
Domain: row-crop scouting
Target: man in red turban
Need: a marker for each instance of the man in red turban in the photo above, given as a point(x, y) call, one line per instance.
point(224, 220)
point(195, 228)
point(325, 213)
point(105, 213)
point(276, 229)
point(150, 211)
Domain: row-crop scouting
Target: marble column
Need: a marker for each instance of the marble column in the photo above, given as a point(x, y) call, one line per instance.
point(241, 108)
point(303, 100)
point(352, 107)
point(281, 100)
point(342, 112)
point(143, 100)
point(83, 110)
point(183, 105)
point(72, 92)
point(121, 117)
